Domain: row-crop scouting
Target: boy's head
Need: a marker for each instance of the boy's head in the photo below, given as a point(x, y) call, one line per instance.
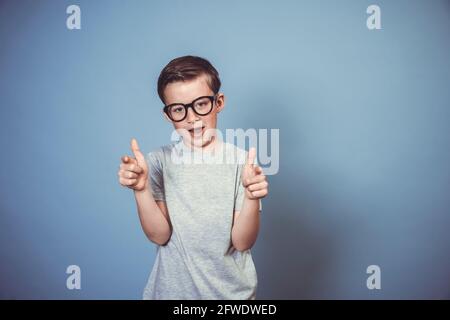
point(194, 82)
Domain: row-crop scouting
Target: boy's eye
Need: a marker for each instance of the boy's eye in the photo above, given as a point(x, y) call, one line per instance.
point(177, 109)
point(202, 103)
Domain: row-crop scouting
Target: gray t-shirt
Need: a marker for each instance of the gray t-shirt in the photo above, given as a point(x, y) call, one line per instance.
point(201, 191)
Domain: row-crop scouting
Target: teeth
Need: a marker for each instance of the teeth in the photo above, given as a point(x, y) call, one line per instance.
point(196, 130)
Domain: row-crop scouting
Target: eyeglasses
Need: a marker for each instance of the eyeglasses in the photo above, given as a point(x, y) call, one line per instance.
point(201, 106)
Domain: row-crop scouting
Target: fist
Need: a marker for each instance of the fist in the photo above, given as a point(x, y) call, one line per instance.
point(133, 172)
point(253, 179)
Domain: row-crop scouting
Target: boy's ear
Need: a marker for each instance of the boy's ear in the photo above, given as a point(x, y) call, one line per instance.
point(220, 102)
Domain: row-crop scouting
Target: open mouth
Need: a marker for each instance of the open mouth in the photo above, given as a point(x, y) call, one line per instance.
point(197, 131)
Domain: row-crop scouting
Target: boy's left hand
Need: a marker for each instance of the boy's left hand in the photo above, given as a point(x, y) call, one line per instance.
point(253, 178)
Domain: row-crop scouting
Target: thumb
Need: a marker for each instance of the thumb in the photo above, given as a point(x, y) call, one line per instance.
point(137, 153)
point(251, 156)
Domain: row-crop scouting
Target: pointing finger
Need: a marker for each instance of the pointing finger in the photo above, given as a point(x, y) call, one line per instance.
point(127, 159)
point(258, 170)
point(251, 156)
point(137, 152)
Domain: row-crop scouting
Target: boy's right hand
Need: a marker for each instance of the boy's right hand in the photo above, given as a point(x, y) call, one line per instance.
point(133, 172)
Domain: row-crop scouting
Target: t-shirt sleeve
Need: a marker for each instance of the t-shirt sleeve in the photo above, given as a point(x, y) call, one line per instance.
point(156, 179)
point(240, 190)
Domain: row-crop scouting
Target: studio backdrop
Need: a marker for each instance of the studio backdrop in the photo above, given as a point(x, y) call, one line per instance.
point(359, 207)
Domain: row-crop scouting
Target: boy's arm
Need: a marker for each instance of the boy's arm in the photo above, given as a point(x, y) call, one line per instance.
point(154, 217)
point(134, 174)
point(246, 221)
point(245, 225)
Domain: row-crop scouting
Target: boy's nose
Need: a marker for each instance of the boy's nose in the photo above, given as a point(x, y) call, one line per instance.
point(191, 115)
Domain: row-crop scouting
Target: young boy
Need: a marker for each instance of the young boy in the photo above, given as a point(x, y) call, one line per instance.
point(203, 215)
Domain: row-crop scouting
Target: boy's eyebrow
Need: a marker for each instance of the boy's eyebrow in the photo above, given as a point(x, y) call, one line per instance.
point(203, 95)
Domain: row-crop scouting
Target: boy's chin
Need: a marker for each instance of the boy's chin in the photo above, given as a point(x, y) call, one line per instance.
point(200, 142)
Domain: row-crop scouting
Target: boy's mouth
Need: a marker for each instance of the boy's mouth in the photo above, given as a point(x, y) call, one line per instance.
point(196, 132)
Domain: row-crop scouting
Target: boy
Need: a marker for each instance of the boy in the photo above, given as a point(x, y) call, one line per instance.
point(203, 216)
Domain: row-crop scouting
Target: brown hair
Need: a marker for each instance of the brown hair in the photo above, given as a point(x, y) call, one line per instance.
point(188, 68)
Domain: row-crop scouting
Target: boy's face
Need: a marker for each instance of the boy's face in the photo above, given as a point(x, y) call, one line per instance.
point(186, 92)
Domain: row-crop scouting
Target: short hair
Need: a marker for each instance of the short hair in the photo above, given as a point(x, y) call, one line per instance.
point(188, 68)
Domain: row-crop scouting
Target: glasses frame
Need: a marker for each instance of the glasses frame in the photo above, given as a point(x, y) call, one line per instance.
point(190, 105)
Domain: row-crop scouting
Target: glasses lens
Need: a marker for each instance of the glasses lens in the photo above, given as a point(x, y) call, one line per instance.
point(177, 112)
point(203, 106)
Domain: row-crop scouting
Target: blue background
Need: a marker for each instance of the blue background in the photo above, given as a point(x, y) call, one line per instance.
point(364, 140)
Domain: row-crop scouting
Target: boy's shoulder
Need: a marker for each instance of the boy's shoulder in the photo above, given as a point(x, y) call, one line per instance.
point(157, 154)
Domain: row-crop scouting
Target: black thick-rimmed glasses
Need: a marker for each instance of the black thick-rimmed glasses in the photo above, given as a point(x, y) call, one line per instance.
point(201, 106)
